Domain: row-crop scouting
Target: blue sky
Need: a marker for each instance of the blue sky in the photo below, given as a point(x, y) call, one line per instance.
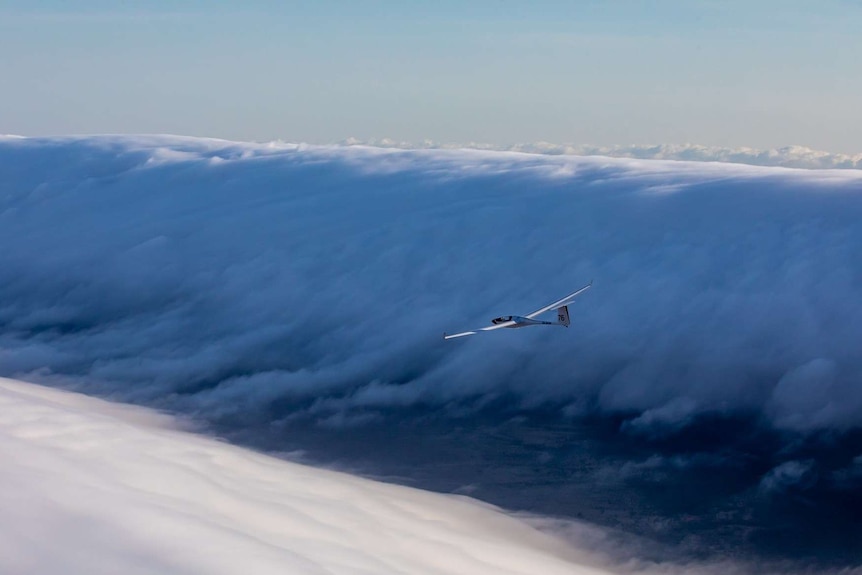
point(727, 73)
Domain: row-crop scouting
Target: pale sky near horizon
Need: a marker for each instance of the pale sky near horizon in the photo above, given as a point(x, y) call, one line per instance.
point(726, 73)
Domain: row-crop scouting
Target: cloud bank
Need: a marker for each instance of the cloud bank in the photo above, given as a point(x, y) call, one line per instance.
point(273, 284)
point(231, 276)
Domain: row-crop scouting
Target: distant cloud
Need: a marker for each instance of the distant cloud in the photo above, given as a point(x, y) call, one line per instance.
point(788, 157)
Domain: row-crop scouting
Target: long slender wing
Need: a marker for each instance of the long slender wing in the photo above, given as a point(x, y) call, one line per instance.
point(489, 328)
point(561, 302)
point(454, 335)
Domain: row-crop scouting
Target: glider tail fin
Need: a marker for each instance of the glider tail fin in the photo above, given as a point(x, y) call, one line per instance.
point(563, 316)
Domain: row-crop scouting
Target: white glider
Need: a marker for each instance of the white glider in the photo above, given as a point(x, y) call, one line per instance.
point(561, 305)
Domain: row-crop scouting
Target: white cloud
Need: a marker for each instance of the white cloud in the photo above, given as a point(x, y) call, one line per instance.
point(93, 487)
point(788, 156)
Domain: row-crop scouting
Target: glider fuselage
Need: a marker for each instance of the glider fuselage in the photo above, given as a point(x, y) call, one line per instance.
point(520, 321)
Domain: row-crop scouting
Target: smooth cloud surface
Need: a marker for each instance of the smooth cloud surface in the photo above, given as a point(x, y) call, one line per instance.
point(93, 487)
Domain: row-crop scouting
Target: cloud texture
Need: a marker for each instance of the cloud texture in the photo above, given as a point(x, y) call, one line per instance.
point(277, 283)
point(235, 276)
point(91, 487)
point(787, 156)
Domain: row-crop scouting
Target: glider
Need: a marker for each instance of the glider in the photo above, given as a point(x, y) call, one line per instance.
point(561, 305)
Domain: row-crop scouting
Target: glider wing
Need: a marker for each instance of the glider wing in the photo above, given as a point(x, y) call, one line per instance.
point(561, 302)
point(489, 328)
